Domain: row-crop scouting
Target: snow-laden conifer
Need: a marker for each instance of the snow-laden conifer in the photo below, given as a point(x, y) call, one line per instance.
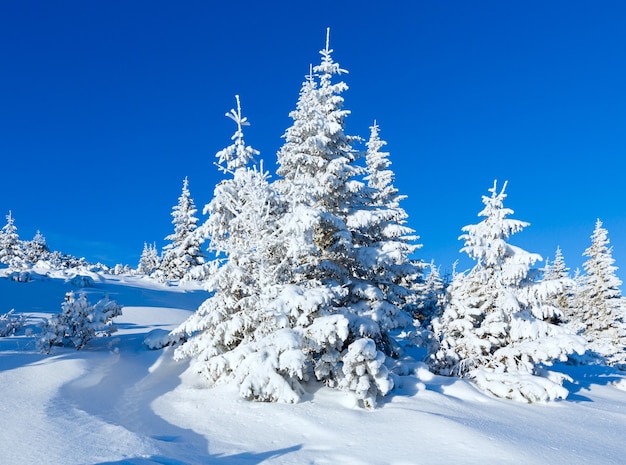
point(36, 249)
point(79, 322)
point(557, 273)
point(495, 328)
point(185, 249)
point(432, 300)
point(380, 225)
point(149, 260)
point(234, 335)
point(601, 309)
point(11, 247)
point(327, 295)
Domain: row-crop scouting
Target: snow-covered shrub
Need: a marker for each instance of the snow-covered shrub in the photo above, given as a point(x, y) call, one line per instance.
point(78, 322)
point(364, 372)
point(10, 323)
point(82, 281)
point(21, 276)
point(496, 328)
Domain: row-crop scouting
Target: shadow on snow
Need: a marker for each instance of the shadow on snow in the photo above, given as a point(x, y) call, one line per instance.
point(246, 458)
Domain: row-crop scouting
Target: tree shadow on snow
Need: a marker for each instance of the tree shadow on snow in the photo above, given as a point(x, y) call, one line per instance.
point(119, 389)
point(585, 376)
point(129, 295)
point(245, 458)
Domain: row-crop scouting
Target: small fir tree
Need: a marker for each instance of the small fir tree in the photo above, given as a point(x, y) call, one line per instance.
point(11, 247)
point(433, 299)
point(149, 260)
point(495, 329)
point(36, 249)
point(557, 274)
point(185, 250)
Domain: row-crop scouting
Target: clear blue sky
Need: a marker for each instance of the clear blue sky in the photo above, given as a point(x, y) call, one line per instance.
point(105, 106)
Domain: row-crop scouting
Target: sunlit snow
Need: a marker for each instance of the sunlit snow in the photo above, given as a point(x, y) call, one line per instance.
point(117, 402)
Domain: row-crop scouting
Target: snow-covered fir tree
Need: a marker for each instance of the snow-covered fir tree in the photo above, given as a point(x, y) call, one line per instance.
point(185, 249)
point(495, 329)
point(36, 249)
point(11, 247)
point(78, 322)
point(234, 334)
point(601, 309)
point(339, 315)
point(149, 260)
point(433, 298)
point(558, 273)
point(385, 230)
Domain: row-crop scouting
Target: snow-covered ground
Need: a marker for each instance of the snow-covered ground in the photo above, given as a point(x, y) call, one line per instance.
point(116, 402)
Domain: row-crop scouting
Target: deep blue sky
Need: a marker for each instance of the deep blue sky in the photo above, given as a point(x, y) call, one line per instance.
point(105, 106)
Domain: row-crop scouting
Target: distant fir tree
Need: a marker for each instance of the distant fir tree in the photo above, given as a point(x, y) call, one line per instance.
point(433, 299)
point(185, 250)
point(557, 273)
point(234, 335)
point(149, 260)
point(495, 329)
point(601, 309)
point(11, 247)
point(36, 249)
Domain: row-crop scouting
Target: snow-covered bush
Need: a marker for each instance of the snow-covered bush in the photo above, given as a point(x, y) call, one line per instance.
point(78, 322)
point(10, 323)
point(364, 372)
point(496, 327)
point(82, 281)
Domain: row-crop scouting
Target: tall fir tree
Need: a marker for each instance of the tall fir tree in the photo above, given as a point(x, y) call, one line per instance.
point(495, 329)
point(185, 249)
point(601, 310)
point(327, 296)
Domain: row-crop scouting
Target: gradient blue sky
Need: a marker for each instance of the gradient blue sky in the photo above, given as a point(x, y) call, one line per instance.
point(105, 106)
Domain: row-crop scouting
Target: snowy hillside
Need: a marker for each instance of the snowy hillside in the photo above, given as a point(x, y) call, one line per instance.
point(116, 402)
